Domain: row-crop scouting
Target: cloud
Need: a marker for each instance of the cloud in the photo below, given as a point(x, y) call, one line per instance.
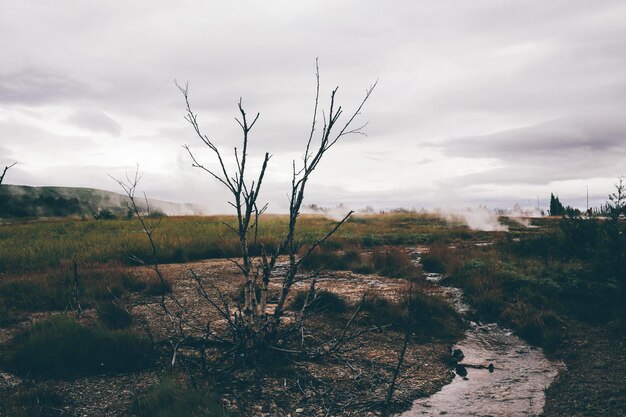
point(536, 74)
point(37, 86)
point(95, 121)
point(564, 149)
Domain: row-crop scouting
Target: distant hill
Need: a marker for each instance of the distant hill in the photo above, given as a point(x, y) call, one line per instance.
point(20, 201)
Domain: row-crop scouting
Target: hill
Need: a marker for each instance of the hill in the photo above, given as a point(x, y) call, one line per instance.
point(21, 201)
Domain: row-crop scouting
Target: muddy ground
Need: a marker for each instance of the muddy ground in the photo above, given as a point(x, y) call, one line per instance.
point(594, 383)
point(349, 384)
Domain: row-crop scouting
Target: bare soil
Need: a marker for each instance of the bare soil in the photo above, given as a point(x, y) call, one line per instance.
point(350, 384)
point(594, 383)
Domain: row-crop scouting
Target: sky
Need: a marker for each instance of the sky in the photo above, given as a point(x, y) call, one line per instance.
point(477, 103)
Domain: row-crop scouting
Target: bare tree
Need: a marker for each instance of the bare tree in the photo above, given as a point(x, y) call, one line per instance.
point(253, 325)
point(4, 172)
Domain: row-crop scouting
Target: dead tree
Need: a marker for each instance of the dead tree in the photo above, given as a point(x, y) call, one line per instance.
point(254, 327)
point(4, 172)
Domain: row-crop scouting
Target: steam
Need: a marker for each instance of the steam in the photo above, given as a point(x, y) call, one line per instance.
point(523, 216)
point(480, 218)
point(335, 213)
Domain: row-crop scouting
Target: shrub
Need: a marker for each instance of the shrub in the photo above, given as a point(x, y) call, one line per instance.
point(171, 399)
point(158, 287)
point(114, 316)
point(540, 327)
point(31, 402)
point(60, 347)
point(394, 263)
point(327, 259)
point(52, 290)
point(47, 293)
point(429, 316)
point(432, 263)
point(325, 301)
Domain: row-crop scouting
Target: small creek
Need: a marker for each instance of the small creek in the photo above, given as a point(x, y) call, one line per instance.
point(515, 387)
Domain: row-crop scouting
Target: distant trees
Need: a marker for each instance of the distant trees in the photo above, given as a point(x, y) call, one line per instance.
point(616, 204)
point(557, 208)
point(15, 205)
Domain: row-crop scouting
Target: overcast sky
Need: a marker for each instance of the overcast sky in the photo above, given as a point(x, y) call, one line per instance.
point(481, 102)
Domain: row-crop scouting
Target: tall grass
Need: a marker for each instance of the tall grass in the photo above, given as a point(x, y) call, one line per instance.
point(388, 261)
point(429, 316)
point(52, 290)
point(47, 244)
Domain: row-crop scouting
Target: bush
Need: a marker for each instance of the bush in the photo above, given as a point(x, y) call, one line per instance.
point(47, 293)
point(325, 301)
point(31, 402)
point(158, 287)
point(171, 399)
point(327, 259)
point(395, 263)
point(432, 263)
point(52, 291)
point(60, 347)
point(114, 316)
point(429, 316)
point(540, 327)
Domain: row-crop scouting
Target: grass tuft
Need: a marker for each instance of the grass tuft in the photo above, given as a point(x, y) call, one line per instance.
point(324, 301)
point(172, 399)
point(60, 347)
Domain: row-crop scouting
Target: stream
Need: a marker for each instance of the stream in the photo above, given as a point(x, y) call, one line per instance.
point(513, 387)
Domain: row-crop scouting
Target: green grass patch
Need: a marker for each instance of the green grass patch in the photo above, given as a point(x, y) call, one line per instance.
point(173, 399)
point(53, 290)
point(60, 347)
point(324, 301)
point(35, 246)
point(430, 317)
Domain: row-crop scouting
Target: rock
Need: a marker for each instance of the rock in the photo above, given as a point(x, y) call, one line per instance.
point(8, 381)
point(299, 410)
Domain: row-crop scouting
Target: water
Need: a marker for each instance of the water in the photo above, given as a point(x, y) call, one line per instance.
point(514, 388)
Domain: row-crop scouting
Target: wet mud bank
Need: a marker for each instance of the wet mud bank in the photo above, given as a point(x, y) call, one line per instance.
point(497, 373)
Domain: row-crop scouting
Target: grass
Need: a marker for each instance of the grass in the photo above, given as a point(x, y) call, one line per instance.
point(52, 290)
point(172, 399)
point(572, 268)
point(36, 246)
point(386, 261)
point(324, 301)
point(113, 316)
point(61, 348)
point(430, 317)
point(31, 401)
